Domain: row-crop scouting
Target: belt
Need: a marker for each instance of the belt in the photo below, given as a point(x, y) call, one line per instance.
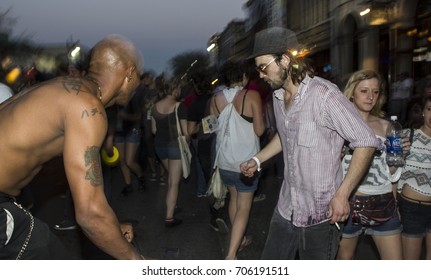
point(415, 200)
point(359, 202)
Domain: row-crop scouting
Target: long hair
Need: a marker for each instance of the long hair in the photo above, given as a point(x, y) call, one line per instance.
point(360, 76)
point(299, 67)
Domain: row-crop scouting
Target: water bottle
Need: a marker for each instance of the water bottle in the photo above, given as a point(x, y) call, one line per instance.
point(394, 148)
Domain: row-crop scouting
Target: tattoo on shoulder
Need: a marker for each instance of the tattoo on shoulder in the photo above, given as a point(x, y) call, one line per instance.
point(92, 161)
point(72, 85)
point(86, 113)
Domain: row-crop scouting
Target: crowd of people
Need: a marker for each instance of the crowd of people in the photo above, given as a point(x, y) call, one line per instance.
point(329, 142)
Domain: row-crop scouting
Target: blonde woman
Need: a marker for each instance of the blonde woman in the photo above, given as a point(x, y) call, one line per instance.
point(164, 127)
point(365, 89)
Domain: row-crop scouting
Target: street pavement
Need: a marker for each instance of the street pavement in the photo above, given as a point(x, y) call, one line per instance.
point(194, 239)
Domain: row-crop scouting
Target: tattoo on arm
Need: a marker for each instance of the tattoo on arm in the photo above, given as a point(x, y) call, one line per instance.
point(92, 112)
point(92, 160)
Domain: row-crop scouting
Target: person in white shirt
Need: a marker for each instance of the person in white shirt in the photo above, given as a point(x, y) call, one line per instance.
point(5, 92)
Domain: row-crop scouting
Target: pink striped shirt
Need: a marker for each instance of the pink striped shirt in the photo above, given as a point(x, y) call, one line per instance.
point(312, 134)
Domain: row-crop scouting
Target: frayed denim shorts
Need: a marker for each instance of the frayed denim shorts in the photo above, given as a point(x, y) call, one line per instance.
point(239, 181)
point(133, 136)
point(391, 227)
point(168, 152)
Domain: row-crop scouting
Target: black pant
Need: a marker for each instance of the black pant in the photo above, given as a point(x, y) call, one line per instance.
point(42, 244)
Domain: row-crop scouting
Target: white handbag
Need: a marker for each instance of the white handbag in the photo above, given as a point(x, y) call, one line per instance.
point(216, 187)
point(186, 155)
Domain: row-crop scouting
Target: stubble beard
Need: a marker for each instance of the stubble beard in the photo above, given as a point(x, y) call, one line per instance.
point(277, 84)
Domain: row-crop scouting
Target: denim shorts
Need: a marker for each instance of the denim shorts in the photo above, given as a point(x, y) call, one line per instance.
point(133, 136)
point(415, 218)
point(239, 181)
point(391, 227)
point(168, 152)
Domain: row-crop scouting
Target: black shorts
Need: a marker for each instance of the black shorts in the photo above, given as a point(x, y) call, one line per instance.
point(24, 236)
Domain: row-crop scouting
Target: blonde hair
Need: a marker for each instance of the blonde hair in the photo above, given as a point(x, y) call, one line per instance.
point(360, 76)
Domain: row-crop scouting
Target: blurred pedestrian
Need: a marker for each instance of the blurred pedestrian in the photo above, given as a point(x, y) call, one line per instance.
point(150, 96)
point(164, 126)
point(240, 117)
point(201, 142)
point(127, 140)
point(5, 92)
point(401, 91)
point(415, 190)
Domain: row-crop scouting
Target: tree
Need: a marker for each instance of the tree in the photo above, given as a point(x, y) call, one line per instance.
point(185, 64)
point(7, 21)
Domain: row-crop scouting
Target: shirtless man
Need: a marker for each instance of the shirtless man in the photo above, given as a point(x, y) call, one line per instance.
point(65, 116)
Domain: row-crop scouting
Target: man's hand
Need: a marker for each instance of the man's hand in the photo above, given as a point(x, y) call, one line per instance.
point(127, 230)
point(339, 209)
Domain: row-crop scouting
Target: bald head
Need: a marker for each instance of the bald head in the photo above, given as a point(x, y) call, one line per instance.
point(116, 51)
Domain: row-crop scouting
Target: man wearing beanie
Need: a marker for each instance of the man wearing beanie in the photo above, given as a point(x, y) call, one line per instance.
point(313, 120)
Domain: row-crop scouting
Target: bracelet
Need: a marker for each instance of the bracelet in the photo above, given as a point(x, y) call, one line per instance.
point(257, 162)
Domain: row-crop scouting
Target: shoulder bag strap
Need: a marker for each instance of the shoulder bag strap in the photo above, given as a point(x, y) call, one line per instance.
point(178, 121)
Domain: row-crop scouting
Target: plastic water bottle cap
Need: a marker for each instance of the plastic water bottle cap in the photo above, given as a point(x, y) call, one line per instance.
point(394, 118)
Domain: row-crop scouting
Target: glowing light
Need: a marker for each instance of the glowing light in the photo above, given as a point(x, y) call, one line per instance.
point(75, 51)
point(364, 12)
point(211, 47)
point(13, 75)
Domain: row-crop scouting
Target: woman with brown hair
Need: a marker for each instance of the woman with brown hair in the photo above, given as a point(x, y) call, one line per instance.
point(240, 117)
point(164, 127)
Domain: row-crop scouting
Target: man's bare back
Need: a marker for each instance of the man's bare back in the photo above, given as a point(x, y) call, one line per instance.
point(66, 116)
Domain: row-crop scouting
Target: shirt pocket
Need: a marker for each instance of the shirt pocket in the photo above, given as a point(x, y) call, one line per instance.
point(308, 134)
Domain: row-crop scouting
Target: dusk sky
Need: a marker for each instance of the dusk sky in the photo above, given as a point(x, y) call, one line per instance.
point(161, 29)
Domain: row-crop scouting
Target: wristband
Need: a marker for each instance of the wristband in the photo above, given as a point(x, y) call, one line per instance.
point(258, 163)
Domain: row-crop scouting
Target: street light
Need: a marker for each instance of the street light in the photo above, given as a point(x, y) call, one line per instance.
point(75, 51)
point(211, 47)
point(364, 12)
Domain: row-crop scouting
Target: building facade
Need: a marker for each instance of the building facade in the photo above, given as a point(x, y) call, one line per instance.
point(393, 37)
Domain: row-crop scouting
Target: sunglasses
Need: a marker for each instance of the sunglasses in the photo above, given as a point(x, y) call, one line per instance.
point(261, 68)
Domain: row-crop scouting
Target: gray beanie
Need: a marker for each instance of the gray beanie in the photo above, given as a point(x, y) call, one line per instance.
point(274, 40)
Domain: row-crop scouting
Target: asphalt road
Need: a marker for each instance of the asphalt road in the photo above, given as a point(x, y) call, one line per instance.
point(192, 240)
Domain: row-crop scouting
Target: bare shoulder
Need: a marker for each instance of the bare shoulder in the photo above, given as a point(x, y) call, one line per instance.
point(379, 125)
point(253, 94)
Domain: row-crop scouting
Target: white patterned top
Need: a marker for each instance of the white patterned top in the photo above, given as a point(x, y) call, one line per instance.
point(417, 171)
point(379, 178)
